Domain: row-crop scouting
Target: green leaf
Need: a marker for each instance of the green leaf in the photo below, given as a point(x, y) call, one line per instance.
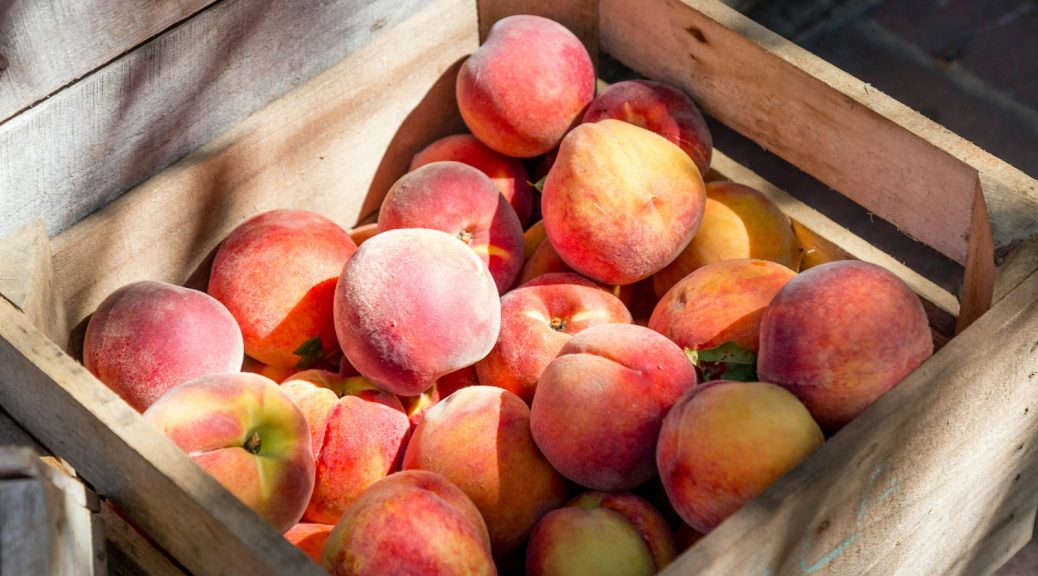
point(538, 185)
point(729, 361)
point(309, 352)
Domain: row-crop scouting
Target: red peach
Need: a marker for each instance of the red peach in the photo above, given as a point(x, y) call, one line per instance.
point(460, 200)
point(600, 404)
point(275, 373)
point(661, 108)
point(840, 335)
point(276, 273)
point(147, 337)
point(508, 174)
point(413, 305)
point(417, 406)
point(525, 86)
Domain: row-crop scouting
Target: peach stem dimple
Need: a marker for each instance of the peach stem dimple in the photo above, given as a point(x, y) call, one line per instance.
point(253, 443)
point(558, 324)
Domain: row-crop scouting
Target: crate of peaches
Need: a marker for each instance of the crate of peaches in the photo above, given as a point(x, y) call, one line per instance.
point(571, 338)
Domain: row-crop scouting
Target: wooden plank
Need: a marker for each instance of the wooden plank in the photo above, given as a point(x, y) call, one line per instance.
point(26, 542)
point(315, 148)
point(27, 279)
point(130, 554)
point(809, 113)
point(89, 143)
point(978, 285)
point(579, 16)
point(46, 45)
point(943, 461)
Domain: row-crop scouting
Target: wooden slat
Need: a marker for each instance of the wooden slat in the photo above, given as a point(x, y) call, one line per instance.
point(92, 141)
point(316, 148)
point(26, 541)
point(130, 554)
point(580, 16)
point(943, 461)
point(27, 279)
point(46, 45)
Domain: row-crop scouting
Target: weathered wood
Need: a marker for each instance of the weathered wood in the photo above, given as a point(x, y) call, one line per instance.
point(320, 147)
point(26, 543)
point(27, 279)
point(129, 553)
point(943, 461)
point(87, 144)
point(580, 16)
point(978, 285)
point(46, 45)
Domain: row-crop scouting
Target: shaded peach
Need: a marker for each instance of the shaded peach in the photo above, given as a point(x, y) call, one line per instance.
point(275, 373)
point(413, 305)
point(458, 199)
point(147, 337)
point(276, 273)
point(417, 406)
point(508, 174)
point(545, 261)
point(532, 238)
point(600, 404)
point(621, 202)
point(840, 335)
point(525, 86)
point(738, 222)
point(725, 442)
point(309, 538)
point(361, 233)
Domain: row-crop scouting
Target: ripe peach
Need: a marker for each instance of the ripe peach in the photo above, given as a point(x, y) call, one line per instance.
point(276, 373)
point(413, 305)
point(718, 303)
point(460, 200)
point(147, 337)
point(358, 432)
point(725, 442)
point(840, 335)
point(310, 538)
point(525, 86)
point(532, 238)
point(661, 108)
point(411, 522)
point(600, 404)
point(621, 202)
point(479, 439)
point(276, 273)
point(738, 222)
point(508, 174)
point(417, 406)
point(361, 233)
point(245, 431)
point(536, 321)
point(599, 533)
point(545, 261)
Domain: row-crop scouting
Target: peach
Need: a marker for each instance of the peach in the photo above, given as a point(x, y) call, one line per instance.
point(718, 303)
point(276, 273)
point(523, 89)
point(508, 174)
point(725, 442)
point(599, 533)
point(358, 433)
point(411, 522)
point(479, 439)
point(310, 538)
point(247, 433)
point(460, 200)
point(840, 335)
point(413, 305)
point(545, 261)
point(536, 321)
point(600, 404)
point(660, 108)
point(275, 373)
point(621, 202)
point(147, 337)
point(532, 238)
point(738, 222)
point(362, 232)
point(417, 406)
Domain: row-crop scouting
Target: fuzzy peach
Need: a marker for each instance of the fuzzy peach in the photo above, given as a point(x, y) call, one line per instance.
point(358, 432)
point(718, 303)
point(725, 442)
point(148, 337)
point(840, 335)
point(658, 107)
point(459, 200)
point(738, 222)
point(411, 522)
point(276, 273)
point(310, 538)
point(508, 174)
point(536, 321)
point(413, 305)
point(600, 404)
point(247, 433)
point(525, 86)
point(621, 202)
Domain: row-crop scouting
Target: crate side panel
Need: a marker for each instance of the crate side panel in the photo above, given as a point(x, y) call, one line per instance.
point(89, 143)
point(47, 45)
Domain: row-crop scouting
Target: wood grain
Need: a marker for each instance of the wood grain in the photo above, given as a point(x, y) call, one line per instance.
point(579, 16)
point(27, 279)
point(47, 45)
point(87, 144)
point(942, 462)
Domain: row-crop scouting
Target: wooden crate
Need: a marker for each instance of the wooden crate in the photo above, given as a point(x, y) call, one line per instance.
point(938, 477)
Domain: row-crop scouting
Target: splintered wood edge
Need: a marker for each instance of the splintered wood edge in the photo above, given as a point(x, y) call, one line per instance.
point(901, 489)
point(827, 229)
